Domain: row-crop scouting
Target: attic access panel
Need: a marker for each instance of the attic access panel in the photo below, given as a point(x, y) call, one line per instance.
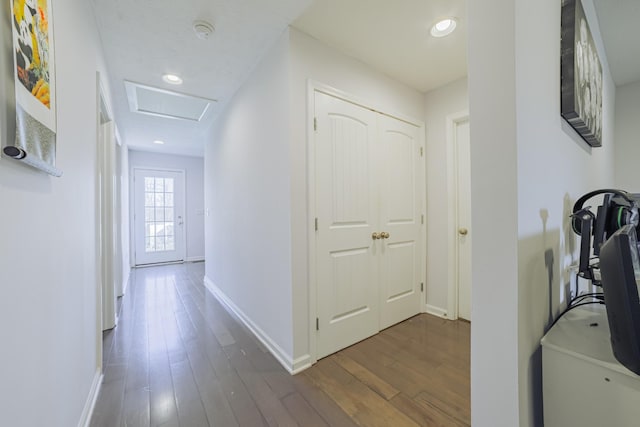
point(165, 103)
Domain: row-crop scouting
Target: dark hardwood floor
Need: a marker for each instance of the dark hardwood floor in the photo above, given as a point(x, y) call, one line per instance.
point(177, 358)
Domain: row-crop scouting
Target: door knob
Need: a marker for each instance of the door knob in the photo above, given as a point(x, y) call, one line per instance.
point(376, 236)
point(384, 235)
point(463, 231)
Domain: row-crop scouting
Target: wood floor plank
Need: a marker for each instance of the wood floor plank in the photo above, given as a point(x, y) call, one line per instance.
point(302, 412)
point(179, 358)
point(424, 414)
point(322, 403)
point(358, 401)
point(374, 382)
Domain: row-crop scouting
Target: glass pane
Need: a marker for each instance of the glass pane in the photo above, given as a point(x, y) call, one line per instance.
point(159, 199)
point(168, 226)
point(148, 214)
point(160, 243)
point(148, 184)
point(148, 229)
point(159, 214)
point(148, 199)
point(168, 199)
point(169, 244)
point(150, 245)
point(159, 229)
point(168, 185)
point(159, 185)
point(168, 214)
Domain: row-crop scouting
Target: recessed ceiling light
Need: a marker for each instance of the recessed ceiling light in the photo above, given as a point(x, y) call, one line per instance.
point(157, 141)
point(172, 79)
point(444, 27)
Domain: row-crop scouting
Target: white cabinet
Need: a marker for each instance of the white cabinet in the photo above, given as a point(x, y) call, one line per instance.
point(583, 384)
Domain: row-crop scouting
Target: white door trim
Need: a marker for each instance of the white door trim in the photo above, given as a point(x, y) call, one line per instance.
point(312, 87)
point(132, 208)
point(452, 122)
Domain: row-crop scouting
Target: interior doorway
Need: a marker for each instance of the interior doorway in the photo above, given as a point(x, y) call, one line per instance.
point(459, 150)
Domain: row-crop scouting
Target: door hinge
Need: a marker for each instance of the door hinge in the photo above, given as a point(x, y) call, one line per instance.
point(422, 219)
point(316, 224)
point(421, 152)
point(422, 287)
point(315, 124)
point(317, 324)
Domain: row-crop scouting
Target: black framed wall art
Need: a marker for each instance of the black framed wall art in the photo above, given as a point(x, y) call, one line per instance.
point(581, 75)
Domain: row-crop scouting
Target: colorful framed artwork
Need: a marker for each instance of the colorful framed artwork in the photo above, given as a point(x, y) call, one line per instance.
point(35, 84)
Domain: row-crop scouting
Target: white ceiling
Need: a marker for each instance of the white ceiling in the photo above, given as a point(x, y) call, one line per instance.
point(143, 39)
point(619, 22)
point(393, 37)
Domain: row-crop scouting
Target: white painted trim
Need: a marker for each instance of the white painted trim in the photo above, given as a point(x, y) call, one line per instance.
point(311, 209)
point(87, 411)
point(452, 211)
point(437, 311)
point(312, 87)
point(194, 259)
point(285, 359)
point(369, 105)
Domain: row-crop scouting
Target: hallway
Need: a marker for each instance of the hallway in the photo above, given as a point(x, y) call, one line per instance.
point(177, 358)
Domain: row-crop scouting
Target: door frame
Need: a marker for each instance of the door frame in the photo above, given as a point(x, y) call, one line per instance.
point(316, 86)
point(104, 220)
point(452, 121)
point(132, 208)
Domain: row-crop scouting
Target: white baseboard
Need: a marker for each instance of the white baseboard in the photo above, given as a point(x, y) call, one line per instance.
point(194, 259)
point(437, 311)
point(87, 411)
point(292, 366)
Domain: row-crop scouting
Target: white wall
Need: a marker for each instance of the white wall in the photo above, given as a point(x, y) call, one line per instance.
point(48, 260)
point(247, 181)
point(528, 167)
point(494, 308)
point(312, 60)
point(554, 166)
point(193, 168)
point(440, 103)
point(627, 131)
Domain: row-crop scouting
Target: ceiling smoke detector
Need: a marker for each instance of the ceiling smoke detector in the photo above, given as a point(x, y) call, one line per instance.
point(203, 29)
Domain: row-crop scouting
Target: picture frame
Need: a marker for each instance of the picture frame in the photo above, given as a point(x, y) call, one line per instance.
point(35, 85)
point(581, 84)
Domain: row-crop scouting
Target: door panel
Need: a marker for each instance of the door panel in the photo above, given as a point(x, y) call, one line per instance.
point(400, 181)
point(464, 219)
point(159, 216)
point(347, 281)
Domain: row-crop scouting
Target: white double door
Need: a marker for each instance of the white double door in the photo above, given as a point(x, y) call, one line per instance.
point(369, 179)
point(158, 216)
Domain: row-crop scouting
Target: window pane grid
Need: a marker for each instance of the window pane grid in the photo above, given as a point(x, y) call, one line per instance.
point(159, 214)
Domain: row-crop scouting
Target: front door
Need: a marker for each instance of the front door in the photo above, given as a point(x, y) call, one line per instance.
point(158, 216)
